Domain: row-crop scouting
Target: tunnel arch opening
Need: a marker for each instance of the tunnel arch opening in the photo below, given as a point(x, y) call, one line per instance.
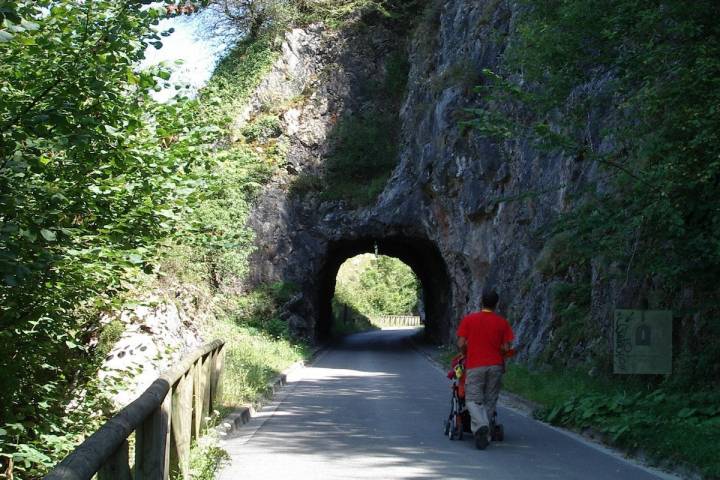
point(373, 290)
point(421, 255)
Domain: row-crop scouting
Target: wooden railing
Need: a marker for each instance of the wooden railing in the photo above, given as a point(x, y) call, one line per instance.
point(165, 419)
point(396, 321)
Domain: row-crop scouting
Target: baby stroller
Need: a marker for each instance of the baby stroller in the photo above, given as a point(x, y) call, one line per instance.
point(458, 421)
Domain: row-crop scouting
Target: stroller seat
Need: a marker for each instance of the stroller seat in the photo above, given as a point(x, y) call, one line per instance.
point(458, 421)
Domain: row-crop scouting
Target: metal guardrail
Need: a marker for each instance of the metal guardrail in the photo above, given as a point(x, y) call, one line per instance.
point(165, 418)
point(396, 321)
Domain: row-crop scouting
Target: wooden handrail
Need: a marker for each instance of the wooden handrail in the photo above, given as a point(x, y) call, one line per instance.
point(397, 320)
point(165, 418)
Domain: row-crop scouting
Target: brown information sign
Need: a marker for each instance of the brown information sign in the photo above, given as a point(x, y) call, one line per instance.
point(642, 341)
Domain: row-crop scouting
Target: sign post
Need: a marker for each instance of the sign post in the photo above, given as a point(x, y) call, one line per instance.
point(642, 342)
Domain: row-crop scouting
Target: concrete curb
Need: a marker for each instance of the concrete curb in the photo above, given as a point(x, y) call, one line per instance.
point(517, 402)
point(242, 415)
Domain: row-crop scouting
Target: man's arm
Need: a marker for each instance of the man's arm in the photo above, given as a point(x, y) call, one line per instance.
point(462, 345)
point(506, 349)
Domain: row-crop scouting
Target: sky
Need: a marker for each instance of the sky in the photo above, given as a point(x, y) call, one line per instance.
point(198, 52)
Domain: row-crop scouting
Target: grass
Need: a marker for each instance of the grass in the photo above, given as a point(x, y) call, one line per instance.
point(258, 344)
point(551, 387)
point(355, 194)
point(252, 359)
point(669, 426)
point(206, 458)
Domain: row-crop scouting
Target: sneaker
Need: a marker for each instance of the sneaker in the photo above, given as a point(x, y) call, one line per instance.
point(481, 438)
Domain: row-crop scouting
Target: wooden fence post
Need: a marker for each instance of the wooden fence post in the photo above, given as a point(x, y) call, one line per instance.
point(152, 444)
point(117, 467)
point(206, 385)
point(197, 399)
point(207, 372)
point(182, 404)
point(216, 380)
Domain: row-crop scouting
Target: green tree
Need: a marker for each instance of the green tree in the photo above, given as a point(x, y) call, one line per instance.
point(382, 286)
point(93, 173)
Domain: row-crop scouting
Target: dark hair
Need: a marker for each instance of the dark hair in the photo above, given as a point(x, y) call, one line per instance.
point(490, 298)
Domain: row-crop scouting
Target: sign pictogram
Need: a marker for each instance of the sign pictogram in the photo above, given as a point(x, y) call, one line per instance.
point(642, 341)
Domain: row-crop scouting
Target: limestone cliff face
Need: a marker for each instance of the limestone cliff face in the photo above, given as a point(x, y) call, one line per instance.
point(463, 211)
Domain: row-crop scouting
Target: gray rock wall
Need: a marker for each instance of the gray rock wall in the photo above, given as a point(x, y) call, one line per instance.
point(483, 207)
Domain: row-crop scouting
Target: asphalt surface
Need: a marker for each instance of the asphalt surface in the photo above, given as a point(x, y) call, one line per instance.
point(373, 408)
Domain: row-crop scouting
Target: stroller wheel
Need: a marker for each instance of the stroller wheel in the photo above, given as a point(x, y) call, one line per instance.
point(459, 427)
point(498, 434)
point(453, 433)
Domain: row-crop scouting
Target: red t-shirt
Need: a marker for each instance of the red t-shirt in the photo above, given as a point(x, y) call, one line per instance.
point(485, 332)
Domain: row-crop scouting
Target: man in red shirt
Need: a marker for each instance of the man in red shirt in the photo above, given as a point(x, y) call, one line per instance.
point(484, 338)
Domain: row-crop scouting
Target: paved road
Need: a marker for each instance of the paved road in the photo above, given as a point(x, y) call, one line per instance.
point(372, 408)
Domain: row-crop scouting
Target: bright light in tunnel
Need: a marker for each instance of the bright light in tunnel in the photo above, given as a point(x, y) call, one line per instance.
point(372, 291)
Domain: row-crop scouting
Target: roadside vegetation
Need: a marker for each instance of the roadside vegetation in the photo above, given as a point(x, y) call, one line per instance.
point(666, 425)
point(366, 146)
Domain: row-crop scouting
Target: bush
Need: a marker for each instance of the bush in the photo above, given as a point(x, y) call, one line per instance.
point(262, 129)
point(667, 425)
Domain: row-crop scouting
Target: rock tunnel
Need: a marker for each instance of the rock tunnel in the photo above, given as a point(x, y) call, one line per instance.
point(421, 255)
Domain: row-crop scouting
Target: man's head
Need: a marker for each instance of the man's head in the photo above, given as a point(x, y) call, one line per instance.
point(490, 298)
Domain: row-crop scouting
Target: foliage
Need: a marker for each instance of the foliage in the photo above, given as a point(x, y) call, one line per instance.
point(215, 230)
point(108, 337)
point(665, 423)
point(251, 19)
point(35, 448)
point(98, 183)
point(258, 346)
point(262, 129)
point(206, 456)
point(260, 309)
point(362, 155)
point(372, 287)
point(347, 319)
point(255, 18)
point(651, 71)
point(93, 174)
point(335, 12)
point(365, 146)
